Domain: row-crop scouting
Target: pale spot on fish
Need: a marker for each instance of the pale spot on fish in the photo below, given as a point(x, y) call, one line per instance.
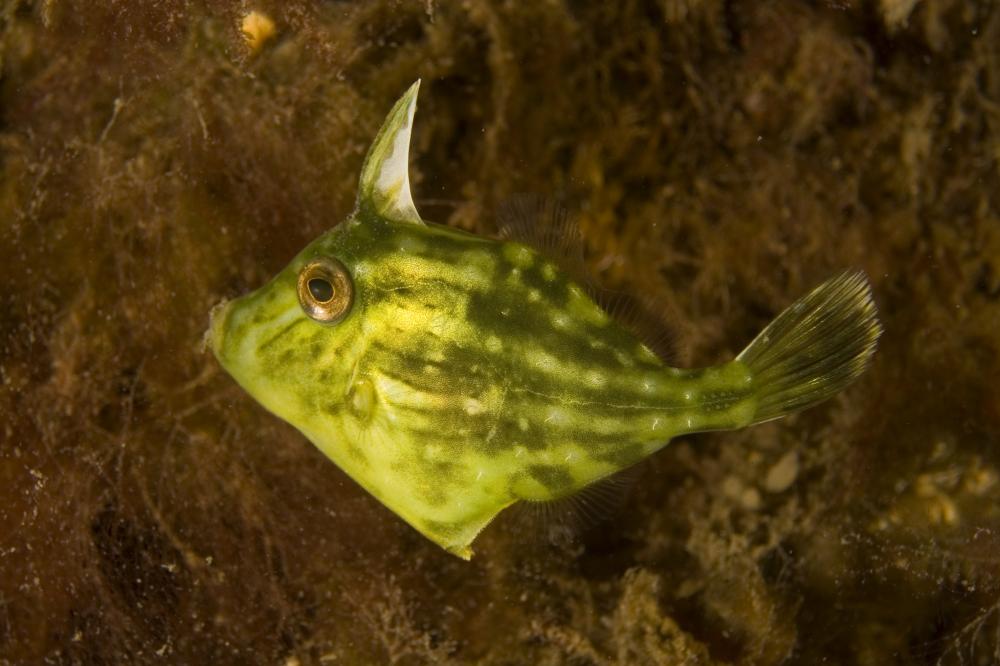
point(534, 296)
point(518, 255)
point(479, 259)
point(361, 269)
point(595, 378)
point(542, 360)
point(646, 353)
point(411, 244)
point(584, 308)
point(556, 416)
point(493, 344)
point(473, 407)
point(549, 272)
point(522, 423)
point(560, 321)
point(465, 275)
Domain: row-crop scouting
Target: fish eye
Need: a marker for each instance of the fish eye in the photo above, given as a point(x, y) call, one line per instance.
point(321, 289)
point(325, 290)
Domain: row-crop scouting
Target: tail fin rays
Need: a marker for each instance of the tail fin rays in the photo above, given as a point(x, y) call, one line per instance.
point(815, 348)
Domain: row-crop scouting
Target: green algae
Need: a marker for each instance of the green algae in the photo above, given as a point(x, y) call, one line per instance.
point(722, 156)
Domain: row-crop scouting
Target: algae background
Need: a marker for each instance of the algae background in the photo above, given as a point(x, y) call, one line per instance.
point(724, 156)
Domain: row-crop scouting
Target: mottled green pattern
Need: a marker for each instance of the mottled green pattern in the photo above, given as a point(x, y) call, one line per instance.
point(472, 373)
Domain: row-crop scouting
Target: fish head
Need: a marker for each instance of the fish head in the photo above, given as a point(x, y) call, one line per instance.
point(296, 332)
point(315, 345)
point(292, 337)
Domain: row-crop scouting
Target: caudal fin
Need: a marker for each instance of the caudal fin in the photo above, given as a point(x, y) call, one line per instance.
point(815, 348)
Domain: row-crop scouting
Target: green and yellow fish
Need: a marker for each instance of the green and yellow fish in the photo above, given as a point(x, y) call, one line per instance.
point(452, 375)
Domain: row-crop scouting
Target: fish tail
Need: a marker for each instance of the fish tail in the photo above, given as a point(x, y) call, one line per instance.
point(815, 348)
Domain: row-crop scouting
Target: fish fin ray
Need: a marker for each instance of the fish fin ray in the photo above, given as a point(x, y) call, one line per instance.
point(567, 520)
point(546, 225)
point(815, 347)
point(641, 316)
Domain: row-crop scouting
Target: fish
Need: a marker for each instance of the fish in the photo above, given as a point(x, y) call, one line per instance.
point(453, 375)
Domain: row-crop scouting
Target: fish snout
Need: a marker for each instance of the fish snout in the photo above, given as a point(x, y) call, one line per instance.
point(215, 335)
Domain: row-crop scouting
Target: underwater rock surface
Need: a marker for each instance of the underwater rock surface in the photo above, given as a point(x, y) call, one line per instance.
point(723, 157)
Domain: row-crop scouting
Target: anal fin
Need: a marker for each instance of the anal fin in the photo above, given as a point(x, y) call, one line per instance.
point(564, 521)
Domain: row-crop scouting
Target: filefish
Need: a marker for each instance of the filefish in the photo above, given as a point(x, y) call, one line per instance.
point(453, 375)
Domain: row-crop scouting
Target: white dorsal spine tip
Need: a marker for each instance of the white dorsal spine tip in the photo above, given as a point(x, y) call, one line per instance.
point(395, 169)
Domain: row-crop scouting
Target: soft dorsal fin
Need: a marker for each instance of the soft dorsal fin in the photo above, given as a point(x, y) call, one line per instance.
point(385, 177)
point(545, 225)
point(642, 316)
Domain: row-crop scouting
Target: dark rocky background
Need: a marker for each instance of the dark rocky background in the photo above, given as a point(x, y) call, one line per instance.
point(723, 157)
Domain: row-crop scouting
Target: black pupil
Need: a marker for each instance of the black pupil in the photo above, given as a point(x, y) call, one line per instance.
point(321, 289)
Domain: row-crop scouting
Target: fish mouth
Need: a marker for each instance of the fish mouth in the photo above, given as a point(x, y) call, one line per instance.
point(215, 335)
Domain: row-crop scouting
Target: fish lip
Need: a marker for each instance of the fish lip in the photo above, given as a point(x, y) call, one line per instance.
point(215, 334)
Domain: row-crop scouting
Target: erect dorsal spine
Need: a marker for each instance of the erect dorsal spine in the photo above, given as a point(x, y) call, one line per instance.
point(384, 189)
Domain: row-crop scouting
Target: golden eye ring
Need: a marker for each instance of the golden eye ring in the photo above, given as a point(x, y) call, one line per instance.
point(326, 292)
